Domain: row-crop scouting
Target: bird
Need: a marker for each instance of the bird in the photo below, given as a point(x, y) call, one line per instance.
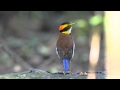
point(65, 46)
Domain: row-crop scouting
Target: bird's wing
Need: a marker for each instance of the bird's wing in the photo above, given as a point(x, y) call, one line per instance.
point(73, 49)
point(60, 53)
point(57, 52)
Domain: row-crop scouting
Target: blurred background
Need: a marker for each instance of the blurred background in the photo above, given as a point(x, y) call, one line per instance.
point(28, 40)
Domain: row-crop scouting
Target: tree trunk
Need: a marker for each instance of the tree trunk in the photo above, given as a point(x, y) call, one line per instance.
point(112, 44)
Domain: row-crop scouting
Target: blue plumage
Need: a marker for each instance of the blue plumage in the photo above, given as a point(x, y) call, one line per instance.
point(66, 64)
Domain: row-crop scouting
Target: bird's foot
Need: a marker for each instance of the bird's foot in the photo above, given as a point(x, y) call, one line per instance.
point(67, 72)
point(64, 72)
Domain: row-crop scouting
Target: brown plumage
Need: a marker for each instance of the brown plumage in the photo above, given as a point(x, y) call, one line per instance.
point(65, 46)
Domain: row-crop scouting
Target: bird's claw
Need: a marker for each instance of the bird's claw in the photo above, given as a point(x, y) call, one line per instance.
point(67, 72)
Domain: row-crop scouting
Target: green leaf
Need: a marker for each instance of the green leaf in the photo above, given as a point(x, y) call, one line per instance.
point(95, 20)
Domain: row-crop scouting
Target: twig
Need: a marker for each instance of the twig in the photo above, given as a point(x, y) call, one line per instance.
point(15, 57)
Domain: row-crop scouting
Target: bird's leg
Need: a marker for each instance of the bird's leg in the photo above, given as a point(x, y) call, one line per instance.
point(70, 68)
point(65, 72)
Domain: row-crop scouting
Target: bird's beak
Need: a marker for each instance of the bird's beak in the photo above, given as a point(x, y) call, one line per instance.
point(73, 23)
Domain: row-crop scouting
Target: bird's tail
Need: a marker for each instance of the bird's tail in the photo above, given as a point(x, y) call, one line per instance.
point(66, 64)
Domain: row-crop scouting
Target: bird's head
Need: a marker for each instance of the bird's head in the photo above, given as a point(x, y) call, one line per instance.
point(66, 27)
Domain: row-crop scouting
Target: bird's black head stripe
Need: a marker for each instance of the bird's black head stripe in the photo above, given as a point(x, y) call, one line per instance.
point(66, 28)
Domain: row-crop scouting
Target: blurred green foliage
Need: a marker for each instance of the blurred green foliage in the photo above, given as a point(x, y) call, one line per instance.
point(4, 57)
point(44, 50)
point(36, 15)
point(81, 23)
point(95, 20)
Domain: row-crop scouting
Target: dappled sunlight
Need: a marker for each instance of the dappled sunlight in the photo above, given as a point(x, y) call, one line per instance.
point(94, 54)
